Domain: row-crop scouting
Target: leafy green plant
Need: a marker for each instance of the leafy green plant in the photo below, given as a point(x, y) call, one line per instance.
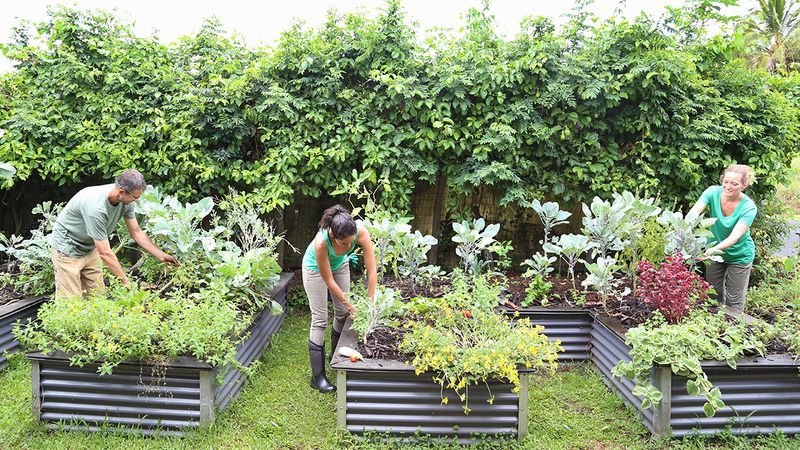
point(472, 239)
point(638, 212)
point(33, 255)
point(688, 236)
point(248, 278)
point(570, 247)
point(426, 275)
point(370, 315)
point(540, 264)
point(601, 278)
point(538, 291)
point(384, 235)
point(412, 251)
point(551, 216)
point(500, 255)
point(682, 347)
point(604, 224)
point(176, 226)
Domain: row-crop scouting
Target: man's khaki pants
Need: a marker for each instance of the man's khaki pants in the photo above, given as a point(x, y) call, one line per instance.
point(77, 277)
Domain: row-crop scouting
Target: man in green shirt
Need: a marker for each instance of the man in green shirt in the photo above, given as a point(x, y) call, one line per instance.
point(80, 236)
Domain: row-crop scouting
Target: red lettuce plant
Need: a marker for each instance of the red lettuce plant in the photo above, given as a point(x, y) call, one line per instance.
point(672, 289)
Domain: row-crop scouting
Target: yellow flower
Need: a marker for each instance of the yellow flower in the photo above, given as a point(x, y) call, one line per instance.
point(445, 400)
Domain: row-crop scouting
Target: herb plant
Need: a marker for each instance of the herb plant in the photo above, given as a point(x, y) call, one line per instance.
point(464, 348)
point(682, 347)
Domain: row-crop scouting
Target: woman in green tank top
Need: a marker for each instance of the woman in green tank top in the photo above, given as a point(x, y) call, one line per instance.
point(735, 213)
point(326, 269)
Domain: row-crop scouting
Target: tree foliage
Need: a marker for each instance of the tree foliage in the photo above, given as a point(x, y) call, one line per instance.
point(599, 106)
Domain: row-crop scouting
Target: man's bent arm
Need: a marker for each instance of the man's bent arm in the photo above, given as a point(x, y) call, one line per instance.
point(142, 240)
point(111, 261)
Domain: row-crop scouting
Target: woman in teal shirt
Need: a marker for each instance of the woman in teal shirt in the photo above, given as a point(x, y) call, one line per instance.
point(326, 269)
point(735, 213)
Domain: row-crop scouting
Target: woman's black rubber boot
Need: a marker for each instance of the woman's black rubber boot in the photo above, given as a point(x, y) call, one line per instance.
point(318, 380)
point(334, 342)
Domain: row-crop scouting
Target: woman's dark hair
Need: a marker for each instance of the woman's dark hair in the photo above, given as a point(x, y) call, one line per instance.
point(338, 220)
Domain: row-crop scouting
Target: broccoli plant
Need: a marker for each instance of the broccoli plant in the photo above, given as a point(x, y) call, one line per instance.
point(601, 279)
point(603, 223)
point(638, 212)
point(539, 264)
point(249, 277)
point(472, 240)
point(550, 215)
point(689, 236)
point(177, 227)
point(570, 247)
point(412, 251)
point(384, 235)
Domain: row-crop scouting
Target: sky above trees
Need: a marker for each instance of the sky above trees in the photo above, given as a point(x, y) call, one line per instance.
point(260, 23)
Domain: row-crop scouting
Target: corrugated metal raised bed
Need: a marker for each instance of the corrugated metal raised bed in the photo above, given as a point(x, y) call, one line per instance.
point(762, 395)
point(573, 327)
point(381, 396)
point(163, 400)
point(23, 310)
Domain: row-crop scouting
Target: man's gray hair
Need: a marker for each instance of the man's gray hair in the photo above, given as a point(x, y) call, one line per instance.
point(131, 180)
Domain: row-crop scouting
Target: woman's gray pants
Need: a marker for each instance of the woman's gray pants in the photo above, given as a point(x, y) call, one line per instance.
point(730, 281)
point(317, 292)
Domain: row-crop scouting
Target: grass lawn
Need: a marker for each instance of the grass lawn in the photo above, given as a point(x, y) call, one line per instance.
point(277, 409)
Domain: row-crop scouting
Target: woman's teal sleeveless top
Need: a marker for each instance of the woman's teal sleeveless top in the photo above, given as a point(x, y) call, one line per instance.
point(310, 257)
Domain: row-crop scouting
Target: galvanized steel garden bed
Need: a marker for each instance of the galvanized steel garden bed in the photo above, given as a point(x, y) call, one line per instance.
point(573, 327)
point(22, 310)
point(144, 397)
point(762, 395)
point(387, 397)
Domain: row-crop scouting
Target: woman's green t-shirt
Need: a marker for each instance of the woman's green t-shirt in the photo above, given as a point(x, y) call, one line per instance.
point(336, 261)
point(742, 251)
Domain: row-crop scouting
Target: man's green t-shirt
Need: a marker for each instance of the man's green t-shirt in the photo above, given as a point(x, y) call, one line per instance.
point(744, 250)
point(88, 217)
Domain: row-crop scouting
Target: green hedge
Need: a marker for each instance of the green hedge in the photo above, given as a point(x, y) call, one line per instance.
point(594, 107)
